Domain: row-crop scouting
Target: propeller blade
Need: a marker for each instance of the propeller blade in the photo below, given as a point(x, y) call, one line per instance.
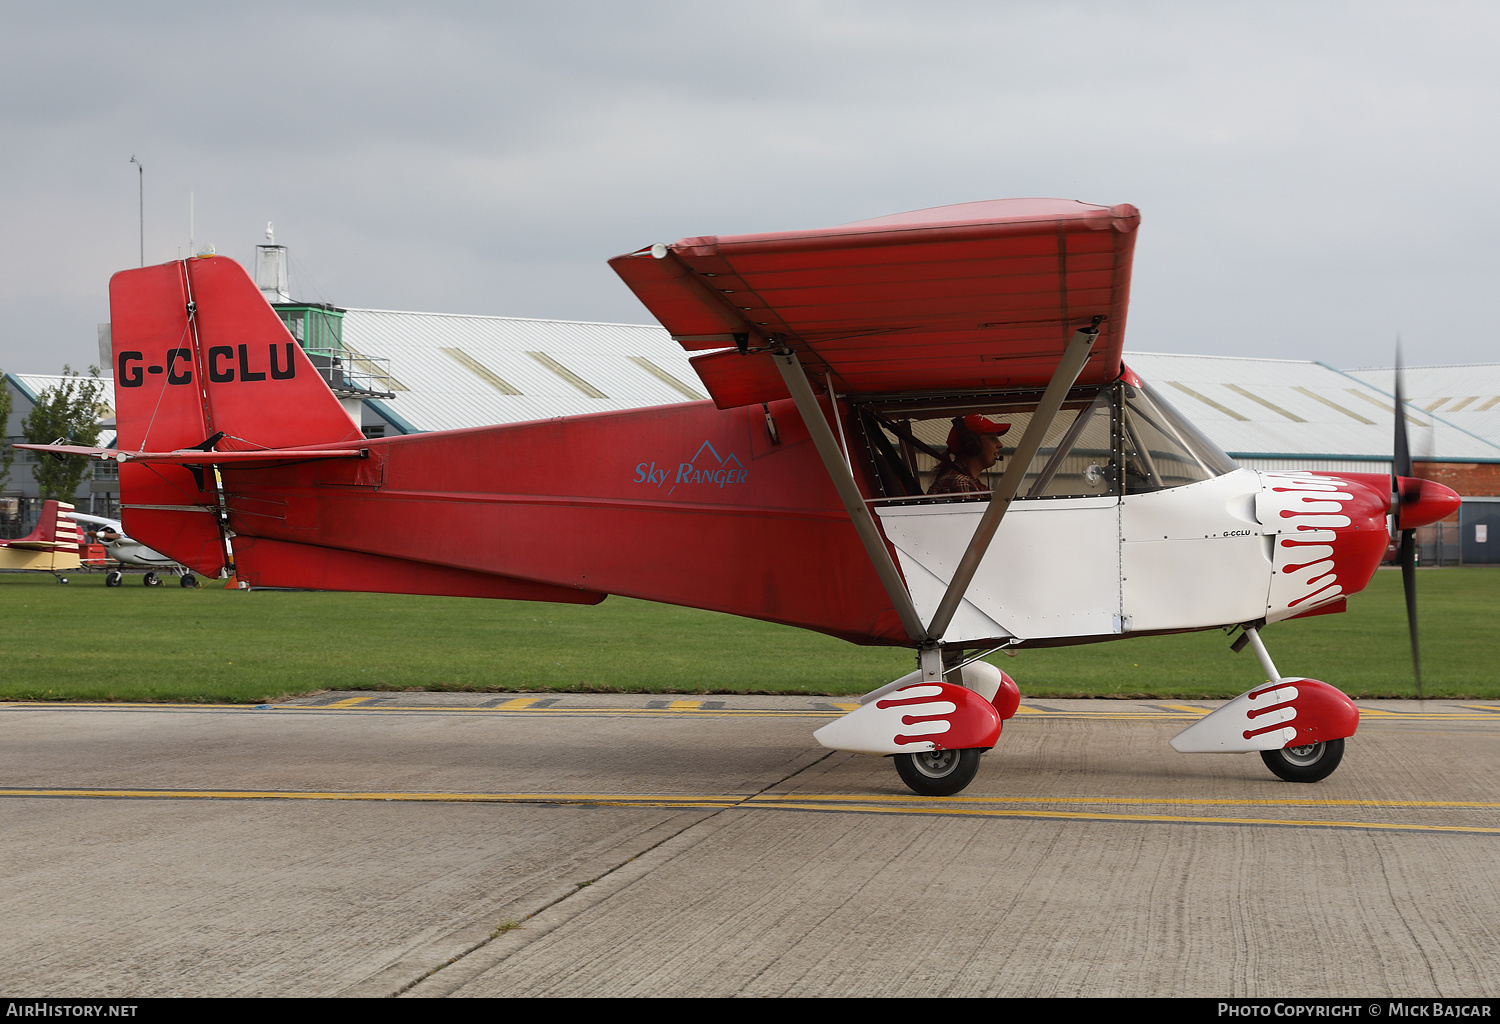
point(1409, 584)
point(1401, 463)
point(1401, 467)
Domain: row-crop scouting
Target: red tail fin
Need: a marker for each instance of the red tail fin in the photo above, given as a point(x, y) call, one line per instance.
point(199, 352)
point(55, 531)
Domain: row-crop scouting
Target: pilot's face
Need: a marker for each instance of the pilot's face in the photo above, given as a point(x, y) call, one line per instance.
point(989, 449)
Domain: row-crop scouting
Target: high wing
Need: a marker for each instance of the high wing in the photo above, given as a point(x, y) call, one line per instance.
point(80, 517)
point(974, 296)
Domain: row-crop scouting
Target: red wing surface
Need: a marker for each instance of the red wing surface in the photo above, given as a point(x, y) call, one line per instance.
point(980, 295)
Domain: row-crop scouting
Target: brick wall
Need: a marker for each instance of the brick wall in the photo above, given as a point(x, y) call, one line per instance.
point(1470, 479)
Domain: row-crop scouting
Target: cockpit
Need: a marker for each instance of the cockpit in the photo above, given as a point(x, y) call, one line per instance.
point(1121, 439)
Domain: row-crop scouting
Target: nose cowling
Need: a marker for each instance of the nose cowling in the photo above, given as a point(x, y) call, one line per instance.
point(1424, 502)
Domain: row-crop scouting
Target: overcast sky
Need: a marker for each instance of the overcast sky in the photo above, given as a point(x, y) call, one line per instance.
point(1313, 178)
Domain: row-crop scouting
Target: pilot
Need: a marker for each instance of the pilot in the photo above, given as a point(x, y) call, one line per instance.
point(974, 446)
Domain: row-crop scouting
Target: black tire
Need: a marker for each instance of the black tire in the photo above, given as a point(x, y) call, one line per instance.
point(188, 580)
point(151, 580)
point(938, 772)
point(114, 578)
point(1312, 762)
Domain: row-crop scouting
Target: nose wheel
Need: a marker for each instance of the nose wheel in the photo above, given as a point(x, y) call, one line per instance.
point(938, 772)
point(1311, 762)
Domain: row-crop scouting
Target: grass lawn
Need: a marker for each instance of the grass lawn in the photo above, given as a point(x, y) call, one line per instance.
point(88, 642)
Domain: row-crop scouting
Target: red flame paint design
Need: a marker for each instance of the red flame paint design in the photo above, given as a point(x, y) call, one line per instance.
point(931, 698)
point(1330, 533)
point(969, 719)
point(1316, 509)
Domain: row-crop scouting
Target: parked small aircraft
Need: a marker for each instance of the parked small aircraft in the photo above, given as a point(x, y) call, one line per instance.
point(128, 551)
point(51, 547)
point(837, 360)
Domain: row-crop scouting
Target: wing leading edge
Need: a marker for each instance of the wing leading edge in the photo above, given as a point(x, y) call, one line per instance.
point(979, 295)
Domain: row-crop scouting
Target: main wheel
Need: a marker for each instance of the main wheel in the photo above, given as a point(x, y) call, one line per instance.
point(114, 578)
point(938, 772)
point(151, 580)
point(188, 580)
point(1311, 762)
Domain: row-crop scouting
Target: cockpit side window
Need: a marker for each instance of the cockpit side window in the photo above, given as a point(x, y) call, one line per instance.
point(907, 444)
point(1075, 459)
point(1121, 439)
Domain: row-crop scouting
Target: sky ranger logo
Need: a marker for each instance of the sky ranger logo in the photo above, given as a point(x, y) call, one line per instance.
point(713, 472)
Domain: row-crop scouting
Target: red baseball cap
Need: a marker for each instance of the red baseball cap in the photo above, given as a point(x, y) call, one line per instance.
point(979, 425)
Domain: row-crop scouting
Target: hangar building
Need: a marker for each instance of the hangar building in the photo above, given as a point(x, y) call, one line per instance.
point(443, 371)
point(1299, 414)
point(99, 491)
point(406, 372)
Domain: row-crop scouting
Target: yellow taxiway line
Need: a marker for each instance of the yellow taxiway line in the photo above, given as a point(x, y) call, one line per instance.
point(984, 807)
point(673, 708)
point(520, 704)
point(347, 702)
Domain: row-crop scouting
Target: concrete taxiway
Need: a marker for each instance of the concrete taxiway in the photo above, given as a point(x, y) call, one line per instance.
point(578, 844)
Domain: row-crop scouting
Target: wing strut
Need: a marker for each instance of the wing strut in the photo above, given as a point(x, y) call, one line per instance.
point(843, 481)
point(1068, 368)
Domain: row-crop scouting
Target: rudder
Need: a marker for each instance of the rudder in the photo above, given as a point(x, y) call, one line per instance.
point(198, 353)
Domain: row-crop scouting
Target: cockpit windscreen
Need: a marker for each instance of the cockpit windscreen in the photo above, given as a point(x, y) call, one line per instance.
point(1161, 448)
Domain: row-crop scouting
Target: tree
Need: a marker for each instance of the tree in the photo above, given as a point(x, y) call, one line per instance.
point(7, 453)
point(70, 411)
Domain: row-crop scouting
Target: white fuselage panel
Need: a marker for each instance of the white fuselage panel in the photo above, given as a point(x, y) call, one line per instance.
point(1195, 555)
point(1182, 558)
point(1052, 570)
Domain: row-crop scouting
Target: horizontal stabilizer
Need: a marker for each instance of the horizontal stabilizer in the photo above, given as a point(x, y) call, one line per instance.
point(196, 457)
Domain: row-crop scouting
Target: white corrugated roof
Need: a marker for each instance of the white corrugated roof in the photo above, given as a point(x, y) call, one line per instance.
point(1291, 407)
point(1466, 396)
point(453, 371)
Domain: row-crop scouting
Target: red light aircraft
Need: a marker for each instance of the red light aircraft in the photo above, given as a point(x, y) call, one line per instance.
point(836, 360)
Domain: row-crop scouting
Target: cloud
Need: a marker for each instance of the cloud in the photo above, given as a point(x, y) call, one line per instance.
point(1310, 176)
